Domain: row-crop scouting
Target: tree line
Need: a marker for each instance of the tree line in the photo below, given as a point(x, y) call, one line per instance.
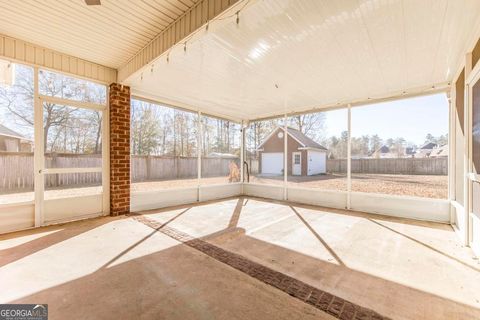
point(66, 129)
point(161, 130)
point(313, 126)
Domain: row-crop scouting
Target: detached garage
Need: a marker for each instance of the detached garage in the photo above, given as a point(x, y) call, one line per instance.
point(305, 157)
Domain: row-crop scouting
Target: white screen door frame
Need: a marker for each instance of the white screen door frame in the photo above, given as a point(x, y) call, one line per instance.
point(73, 205)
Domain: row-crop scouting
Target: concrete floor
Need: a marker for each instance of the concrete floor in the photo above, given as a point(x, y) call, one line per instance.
point(110, 268)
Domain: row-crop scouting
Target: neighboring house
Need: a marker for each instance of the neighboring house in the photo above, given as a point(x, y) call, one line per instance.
point(425, 150)
point(440, 152)
point(410, 152)
point(383, 152)
point(304, 157)
point(12, 141)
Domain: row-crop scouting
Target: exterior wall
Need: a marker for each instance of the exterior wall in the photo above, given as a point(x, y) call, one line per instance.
point(382, 155)
point(24, 52)
point(9, 144)
point(275, 144)
point(459, 136)
point(26, 146)
point(119, 99)
point(476, 54)
point(322, 161)
point(305, 162)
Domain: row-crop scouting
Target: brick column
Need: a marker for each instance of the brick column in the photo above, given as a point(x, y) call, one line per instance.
point(119, 99)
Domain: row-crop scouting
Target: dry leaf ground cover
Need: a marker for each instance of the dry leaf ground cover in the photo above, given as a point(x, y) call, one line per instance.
point(427, 186)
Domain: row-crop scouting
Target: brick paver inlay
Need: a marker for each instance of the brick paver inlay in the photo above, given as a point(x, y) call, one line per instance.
point(335, 306)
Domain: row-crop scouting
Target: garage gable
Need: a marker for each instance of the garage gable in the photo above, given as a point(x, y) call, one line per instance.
point(275, 140)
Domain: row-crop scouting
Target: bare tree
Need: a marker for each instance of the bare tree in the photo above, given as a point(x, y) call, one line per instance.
point(310, 124)
point(59, 121)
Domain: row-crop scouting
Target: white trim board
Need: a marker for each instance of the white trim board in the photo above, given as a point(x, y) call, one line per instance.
point(434, 210)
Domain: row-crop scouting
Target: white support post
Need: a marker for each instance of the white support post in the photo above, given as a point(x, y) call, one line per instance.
point(38, 155)
point(466, 184)
point(106, 157)
point(451, 150)
point(466, 151)
point(285, 158)
point(242, 152)
point(349, 156)
point(199, 153)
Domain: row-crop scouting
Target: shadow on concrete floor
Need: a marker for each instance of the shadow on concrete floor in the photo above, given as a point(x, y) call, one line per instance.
point(181, 282)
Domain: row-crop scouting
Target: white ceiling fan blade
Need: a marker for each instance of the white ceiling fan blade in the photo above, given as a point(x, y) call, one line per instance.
point(92, 2)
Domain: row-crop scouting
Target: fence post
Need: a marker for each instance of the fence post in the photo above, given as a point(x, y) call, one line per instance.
point(56, 182)
point(149, 167)
point(349, 157)
point(177, 158)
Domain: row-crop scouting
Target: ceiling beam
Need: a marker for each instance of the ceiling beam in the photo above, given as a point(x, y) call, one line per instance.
point(186, 25)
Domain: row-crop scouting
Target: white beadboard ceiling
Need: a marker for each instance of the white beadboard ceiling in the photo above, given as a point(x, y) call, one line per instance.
point(318, 52)
point(108, 34)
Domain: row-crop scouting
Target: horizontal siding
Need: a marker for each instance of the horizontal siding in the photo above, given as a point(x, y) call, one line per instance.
point(186, 24)
point(109, 34)
point(27, 53)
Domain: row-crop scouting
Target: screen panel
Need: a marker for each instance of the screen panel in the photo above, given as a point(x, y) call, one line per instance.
point(163, 147)
point(401, 147)
point(476, 145)
point(16, 136)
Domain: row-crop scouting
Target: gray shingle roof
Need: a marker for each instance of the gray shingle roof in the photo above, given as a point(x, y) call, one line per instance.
point(306, 141)
point(4, 131)
point(428, 146)
point(383, 149)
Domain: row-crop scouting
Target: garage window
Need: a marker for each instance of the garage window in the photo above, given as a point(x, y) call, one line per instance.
point(297, 159)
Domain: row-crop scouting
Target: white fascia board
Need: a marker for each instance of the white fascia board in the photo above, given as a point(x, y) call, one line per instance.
point(311, 148)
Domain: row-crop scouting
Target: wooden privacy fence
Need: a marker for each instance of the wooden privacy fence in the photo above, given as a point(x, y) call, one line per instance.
point(16, 169)
point(145, 168)
point(56, 160)
point(426, 166)
point(253, 165)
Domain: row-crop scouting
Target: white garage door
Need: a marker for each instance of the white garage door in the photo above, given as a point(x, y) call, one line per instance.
point(272, 163)
point(316, 162)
